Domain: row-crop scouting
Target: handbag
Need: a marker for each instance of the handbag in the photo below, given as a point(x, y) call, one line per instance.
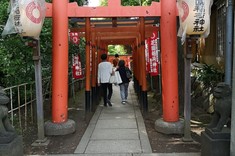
point(112, 79)
point(128, 73)
point(118, 77)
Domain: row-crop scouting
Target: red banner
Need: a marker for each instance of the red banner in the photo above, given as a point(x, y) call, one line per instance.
point(74, 37)
point(154, 54)
point(77, 67)
point(147, 54)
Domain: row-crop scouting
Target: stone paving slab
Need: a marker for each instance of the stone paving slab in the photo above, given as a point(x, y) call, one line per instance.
point(115, 134)
point(114, 146)
point(112, 123)
point(125, 115)
point(116, 109)
point(85, 139)
point(111, 154)
point(169, 154)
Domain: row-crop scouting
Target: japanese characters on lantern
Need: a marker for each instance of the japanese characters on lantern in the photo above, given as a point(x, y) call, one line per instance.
point(194, 17)
point(26, 18)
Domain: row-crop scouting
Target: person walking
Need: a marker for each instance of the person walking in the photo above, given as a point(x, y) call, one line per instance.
point(115, 60)
point(104, 73)
point(125, 80)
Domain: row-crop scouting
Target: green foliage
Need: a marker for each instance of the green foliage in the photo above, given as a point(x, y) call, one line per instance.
point(16, 61)
point(46, 47)
point(116, 49)
point(208, 75)
point(3, 12)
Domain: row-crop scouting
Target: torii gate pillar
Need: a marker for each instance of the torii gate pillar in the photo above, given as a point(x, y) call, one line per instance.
point(170, 123)
point(60, 125)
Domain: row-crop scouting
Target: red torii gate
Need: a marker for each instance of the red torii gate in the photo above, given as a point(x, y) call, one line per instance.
point(60, 10)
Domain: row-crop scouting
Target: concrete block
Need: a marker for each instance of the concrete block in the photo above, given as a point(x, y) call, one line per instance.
point(215, 143)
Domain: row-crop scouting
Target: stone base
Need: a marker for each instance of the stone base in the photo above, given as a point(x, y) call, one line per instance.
point(64, 128)
point(14, 148)
point(169, 127)
point(43, 142)
point(215, 143)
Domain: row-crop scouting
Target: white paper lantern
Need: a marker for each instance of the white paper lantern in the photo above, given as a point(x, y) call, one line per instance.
point(194, 17)
point(26, 18)
point(31, 17)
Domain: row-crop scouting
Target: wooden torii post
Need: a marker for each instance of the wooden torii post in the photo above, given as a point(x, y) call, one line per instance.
point(61, 10)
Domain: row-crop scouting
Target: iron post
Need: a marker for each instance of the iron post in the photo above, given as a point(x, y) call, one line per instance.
point(42, 140)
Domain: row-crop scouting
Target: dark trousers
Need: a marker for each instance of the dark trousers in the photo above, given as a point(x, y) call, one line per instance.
point(105, 87)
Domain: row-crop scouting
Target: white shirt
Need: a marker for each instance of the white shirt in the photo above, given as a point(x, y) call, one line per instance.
point(104, 72)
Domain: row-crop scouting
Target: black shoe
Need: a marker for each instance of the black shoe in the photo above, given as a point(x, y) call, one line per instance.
point(109, 103)
point(105, 105)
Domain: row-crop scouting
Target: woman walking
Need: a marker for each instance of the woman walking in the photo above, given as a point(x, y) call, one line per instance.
point(125, 80)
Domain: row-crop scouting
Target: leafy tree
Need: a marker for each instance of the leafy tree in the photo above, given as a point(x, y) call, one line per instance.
point(119, 49)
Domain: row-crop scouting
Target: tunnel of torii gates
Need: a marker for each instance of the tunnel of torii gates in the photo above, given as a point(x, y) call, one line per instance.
point(97, 40)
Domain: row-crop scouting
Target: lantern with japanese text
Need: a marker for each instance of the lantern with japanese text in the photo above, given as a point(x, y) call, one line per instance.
point(194, 16)
point(31, 17)
point(26, 18)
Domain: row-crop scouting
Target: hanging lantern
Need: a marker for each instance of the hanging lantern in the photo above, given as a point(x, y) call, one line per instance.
point(31, 17)
point(26, 18)
point(194, 16)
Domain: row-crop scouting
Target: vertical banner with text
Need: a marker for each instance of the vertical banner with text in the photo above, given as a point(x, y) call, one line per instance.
point(153, 54)
point(77, 67)
point(147, 55)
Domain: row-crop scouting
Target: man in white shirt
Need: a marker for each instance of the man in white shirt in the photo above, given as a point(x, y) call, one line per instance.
point(104, 73)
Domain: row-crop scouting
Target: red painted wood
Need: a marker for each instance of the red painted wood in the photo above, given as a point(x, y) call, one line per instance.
point(169, 61)
point(110, 11)
point(142, 55)
point(60, 62)
point(88, 58)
